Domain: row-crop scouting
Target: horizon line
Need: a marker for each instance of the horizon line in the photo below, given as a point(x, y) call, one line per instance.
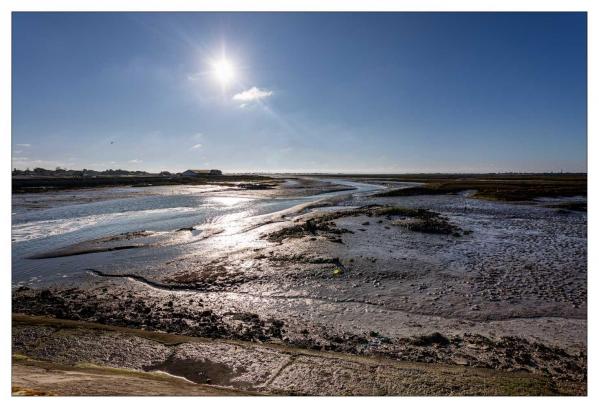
point(336, 172)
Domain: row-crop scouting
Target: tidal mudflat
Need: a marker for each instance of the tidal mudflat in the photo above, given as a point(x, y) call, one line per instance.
point(476, 285)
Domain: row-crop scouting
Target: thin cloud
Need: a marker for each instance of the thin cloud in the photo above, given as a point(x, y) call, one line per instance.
point(252, 94)
point(194, 77)
point(134, 161)
point(196, 146)
point(23, 144)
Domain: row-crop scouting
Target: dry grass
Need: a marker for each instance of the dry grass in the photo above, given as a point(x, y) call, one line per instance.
point(506, 189)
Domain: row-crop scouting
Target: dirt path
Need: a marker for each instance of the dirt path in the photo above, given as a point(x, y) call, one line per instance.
point(38, 378)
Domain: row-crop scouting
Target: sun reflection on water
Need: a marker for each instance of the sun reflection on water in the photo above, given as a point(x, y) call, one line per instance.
point(229, 201)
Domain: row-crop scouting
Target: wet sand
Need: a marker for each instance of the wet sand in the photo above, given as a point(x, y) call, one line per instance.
point(433, 279)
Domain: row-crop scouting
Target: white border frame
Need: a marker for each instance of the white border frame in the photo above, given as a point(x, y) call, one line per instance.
point(7, 6)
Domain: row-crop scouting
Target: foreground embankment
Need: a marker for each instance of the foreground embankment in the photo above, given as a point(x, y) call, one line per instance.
point(61, 357)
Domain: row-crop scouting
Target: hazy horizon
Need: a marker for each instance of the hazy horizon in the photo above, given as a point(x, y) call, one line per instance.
point(301, 92)
point(345, 173)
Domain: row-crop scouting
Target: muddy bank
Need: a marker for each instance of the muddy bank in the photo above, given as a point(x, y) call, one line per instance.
point(419, 220)
point(119, 242)
point(206, 367)
point(492, 186)
point(186, 315)
point(42, 184)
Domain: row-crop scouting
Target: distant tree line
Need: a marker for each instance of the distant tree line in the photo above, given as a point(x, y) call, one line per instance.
point(60, 172)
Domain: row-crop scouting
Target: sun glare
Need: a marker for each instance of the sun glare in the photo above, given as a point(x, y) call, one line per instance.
point(223, 71)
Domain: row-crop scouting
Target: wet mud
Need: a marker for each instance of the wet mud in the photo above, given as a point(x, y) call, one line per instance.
point(434, 279)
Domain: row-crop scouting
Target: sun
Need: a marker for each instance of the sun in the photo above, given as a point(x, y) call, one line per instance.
point(223, 71)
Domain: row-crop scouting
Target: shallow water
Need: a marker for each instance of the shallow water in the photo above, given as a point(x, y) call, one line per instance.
point(70, 218)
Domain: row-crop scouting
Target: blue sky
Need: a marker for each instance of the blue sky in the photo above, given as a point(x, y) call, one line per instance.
point(331, 92)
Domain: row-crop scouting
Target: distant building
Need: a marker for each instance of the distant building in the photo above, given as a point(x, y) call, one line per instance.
point(196, 173)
